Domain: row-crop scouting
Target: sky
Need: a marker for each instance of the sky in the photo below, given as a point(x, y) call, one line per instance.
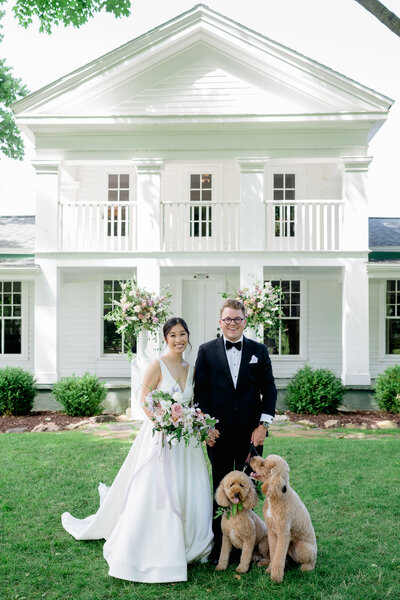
point(340, 34)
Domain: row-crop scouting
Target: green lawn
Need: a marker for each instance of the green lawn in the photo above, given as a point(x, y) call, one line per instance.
point(351, 488)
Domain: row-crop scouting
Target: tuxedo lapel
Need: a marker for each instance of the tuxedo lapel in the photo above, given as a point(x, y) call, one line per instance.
point(222, 361)
point(244, 361)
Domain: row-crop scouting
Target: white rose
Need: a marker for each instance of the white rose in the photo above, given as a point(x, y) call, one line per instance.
point(137, 309)
point(177, 396)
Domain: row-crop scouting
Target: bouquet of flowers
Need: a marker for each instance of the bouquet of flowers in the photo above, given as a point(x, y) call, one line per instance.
point(262, 304)
point(177, 421)
point(138, 309)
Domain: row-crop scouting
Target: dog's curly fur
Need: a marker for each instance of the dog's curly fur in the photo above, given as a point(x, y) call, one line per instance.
point(290, 530)
point(245, 529)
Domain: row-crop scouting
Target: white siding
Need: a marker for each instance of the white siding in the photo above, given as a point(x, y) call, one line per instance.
point(376, 366)
point(80, 330)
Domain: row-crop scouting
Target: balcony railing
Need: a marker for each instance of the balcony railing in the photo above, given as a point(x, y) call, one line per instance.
point(304, 225)
point(296, 225)
point(97, 226)
point(200, 226)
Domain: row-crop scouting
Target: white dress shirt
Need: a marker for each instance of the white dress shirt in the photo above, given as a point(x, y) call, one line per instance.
point(234, 357)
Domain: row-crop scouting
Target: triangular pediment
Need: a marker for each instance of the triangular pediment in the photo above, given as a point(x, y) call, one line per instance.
point(201, 63)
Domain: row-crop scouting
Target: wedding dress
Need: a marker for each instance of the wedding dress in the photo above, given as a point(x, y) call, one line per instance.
point(156, 516)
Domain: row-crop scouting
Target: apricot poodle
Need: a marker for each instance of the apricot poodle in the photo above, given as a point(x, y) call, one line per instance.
point(241, 527)
point(290, 530)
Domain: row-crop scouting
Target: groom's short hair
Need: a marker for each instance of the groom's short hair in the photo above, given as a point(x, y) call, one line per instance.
point(233, 303)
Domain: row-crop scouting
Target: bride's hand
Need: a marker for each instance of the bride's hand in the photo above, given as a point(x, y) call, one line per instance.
point(212, 436)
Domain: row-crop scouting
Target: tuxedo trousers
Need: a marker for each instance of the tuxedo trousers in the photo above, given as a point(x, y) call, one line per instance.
point(229, 454)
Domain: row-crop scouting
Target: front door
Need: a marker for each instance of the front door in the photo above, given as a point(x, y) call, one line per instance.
point(201, 303)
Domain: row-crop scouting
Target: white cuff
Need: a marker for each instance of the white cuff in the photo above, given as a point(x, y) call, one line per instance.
point(266, 419)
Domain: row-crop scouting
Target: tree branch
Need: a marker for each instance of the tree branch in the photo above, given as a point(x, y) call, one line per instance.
point(385, 16)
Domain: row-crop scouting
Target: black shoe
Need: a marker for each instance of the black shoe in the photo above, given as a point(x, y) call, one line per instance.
point(214, 556)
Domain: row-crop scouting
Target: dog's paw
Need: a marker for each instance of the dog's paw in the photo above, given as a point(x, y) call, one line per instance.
point(307, 567)
point(242, 569)
point(263, 562)
point(277, 575)
point(220, 568)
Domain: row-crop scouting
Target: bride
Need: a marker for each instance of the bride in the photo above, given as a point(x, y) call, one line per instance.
point(156, 517)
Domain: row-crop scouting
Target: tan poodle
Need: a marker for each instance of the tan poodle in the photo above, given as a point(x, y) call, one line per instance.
point(241, 527)
point(290, 530)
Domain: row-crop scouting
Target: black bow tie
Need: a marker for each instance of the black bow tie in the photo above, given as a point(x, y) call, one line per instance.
point(237, 345)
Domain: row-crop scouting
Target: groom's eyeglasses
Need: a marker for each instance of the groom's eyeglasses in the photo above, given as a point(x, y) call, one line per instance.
point(236, 320)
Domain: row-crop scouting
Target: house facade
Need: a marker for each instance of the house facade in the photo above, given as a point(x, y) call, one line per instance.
point(201, 157)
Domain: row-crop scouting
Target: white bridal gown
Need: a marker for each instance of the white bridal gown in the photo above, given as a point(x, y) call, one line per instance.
point(156, 516)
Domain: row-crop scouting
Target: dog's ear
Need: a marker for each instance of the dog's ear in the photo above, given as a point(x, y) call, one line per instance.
point(220, 497)
point(264, 488)
point(251, 499)
point(279, 482)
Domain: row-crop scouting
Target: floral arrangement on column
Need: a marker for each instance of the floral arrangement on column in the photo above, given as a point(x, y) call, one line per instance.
point(139, 310)
point(263, 305)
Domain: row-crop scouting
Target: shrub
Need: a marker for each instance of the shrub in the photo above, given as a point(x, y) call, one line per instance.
point(17, 391)
point(80, 396)
point(387, 389)
point(314, 391)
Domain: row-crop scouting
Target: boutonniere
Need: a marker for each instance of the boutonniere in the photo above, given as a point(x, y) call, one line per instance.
point(228, 511)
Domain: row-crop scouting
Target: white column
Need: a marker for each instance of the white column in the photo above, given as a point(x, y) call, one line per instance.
point(251, 272)
point(46, 321)
point(252, 217)
point(148, 203)
point(148, 277)
point(47, 198)
point(355, 323)
point(355, 202)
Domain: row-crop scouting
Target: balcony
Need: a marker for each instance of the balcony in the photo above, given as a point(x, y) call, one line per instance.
point(301, 225)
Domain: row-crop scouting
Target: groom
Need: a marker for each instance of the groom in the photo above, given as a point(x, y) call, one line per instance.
point(234, 383)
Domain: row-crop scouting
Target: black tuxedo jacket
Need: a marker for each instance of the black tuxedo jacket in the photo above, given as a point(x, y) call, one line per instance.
point(237, 409)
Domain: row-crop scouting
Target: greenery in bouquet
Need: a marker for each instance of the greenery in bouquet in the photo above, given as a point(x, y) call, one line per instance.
point(262, 303)
point(177, 421)
point(138, 309)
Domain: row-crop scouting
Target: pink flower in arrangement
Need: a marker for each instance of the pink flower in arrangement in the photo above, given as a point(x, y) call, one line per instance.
point(155, 320)
point(159, 412)
point(141, 317)
point(176, 411)
point(143, 304)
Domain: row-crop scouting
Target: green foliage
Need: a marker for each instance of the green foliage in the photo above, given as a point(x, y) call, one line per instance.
point(80, 396)
point(387, 389)
point(314, 391)
point(17, 391)
point(66, 12)
point(11, 89)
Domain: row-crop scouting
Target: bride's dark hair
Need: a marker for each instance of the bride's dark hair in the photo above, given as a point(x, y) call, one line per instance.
point(175, 321)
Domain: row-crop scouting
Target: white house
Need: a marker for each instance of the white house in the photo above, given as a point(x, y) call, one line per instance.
point(201, 156)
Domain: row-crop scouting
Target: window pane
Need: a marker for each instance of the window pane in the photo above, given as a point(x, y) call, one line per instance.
point(107, 286)
point(391, 285)
point(195, 195)
point(16, 311)
point(12, 336)
point(289, 180)
point(7, 286)
point(271, 340)
point(290, 337)
point(393, 336)
point(113, 181)
point(278, 195)
point(7, 311)
point(289, 194)
point(112, 196)
point(112, 339)
point(206, 196)
point(195, 181)
point(16, 298)
point(278, 180)
point(124, 181)
point(17, 286)
point(206, 181)
point(124, 196)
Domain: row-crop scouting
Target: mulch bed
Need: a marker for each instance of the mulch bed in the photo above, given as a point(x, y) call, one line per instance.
point(30, 421)
point(357, 418)
point(61, 420)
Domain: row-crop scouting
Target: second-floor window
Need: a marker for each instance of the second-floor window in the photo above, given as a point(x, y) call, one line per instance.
point(118, 213)
point(392, 329)
point(113, 342)
point(201, 189)
point(284, 192)
point(286, 340)
point(10, 317)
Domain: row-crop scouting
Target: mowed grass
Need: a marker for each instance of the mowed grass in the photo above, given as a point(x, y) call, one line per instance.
point(351, 488)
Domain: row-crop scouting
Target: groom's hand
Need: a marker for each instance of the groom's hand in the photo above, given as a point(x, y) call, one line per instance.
point(213, 435)
point(258, 435)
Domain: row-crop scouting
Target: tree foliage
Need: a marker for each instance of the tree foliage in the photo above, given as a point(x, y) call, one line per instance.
point(11, 89)
point(67, 12)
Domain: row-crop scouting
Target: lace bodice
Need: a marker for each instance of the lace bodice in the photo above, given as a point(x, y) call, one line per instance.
point(169, 383)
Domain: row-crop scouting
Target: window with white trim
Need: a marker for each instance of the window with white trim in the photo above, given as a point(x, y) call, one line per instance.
point(284, 190)
point(113, 342)
point(118, 214)
point(285, 341)
point(10, 317)
point(201, 191)
point(392, 317)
